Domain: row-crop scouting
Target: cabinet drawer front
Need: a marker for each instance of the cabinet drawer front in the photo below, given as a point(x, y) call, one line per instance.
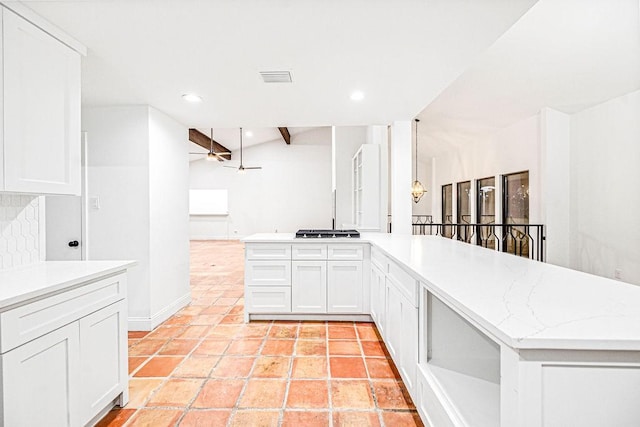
point(267, 251)
point(309, 251)
point(268, 299)
point(268, 273)
point(379, 260)
point(345, 252)
point(30, 321)
point(405, 283)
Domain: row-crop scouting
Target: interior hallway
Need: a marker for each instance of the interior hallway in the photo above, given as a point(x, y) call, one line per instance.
point(205, 367)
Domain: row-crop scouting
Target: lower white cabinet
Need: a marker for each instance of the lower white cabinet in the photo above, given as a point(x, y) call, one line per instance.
point(319, 278)
point(103, 358)
point(378, 299)
point(267, 299)
point(309, 287)
point(401, 323)
point(41, 381)
point(344, 287)
point(67, 374)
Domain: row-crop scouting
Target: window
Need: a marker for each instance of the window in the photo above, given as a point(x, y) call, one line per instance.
point(447, 210)
point(464, 211)
point(515, 210)
point(486, 211)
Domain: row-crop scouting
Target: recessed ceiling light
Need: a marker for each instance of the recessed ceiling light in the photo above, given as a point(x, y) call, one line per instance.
point(357, 96)
point(192, 97)
point(248, 134)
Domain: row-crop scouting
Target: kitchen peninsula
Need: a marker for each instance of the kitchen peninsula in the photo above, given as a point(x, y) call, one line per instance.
point(480, 338)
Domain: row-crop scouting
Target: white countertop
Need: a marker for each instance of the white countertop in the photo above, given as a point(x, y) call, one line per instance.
point(21, 284)
point(523, 303)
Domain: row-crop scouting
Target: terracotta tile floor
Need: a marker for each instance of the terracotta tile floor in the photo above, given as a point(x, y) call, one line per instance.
point(205, 367)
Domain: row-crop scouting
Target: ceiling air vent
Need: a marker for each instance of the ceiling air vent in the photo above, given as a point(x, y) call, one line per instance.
point(276, 76)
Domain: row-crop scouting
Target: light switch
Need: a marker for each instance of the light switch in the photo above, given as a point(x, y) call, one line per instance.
point(94, 202)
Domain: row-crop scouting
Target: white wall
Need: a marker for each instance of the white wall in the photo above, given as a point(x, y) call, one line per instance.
point(605, 201)
point(118, 174)
point(555, 157)
point(401, 201)
point(169, 212)
point(347, 140)
point(138, 207)
point(513, 149)
point(291, 191)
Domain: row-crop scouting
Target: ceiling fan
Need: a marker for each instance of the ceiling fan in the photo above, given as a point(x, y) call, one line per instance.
point(242, 168)
point(212, 155)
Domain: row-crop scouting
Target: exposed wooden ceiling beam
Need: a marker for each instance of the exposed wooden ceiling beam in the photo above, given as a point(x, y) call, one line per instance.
point(204, 141)
point(285, 135)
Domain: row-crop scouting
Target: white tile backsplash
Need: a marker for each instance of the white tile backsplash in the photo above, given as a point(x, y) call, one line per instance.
point(19, 230)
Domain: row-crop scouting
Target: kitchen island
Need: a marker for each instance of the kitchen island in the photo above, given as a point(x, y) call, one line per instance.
point(63, 342)
point(483, 338)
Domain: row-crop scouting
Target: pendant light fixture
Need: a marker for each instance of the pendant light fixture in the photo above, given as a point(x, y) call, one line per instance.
point(417, 189)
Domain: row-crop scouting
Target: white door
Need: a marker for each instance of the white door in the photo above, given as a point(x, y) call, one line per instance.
point(309, 287)
point(66, 226)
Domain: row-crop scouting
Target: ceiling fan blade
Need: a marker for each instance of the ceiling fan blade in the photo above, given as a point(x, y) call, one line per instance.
point(253, 167)
point(232, 167)
point(203, 154)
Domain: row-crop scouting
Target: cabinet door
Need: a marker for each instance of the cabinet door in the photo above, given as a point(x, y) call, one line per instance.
point(41, 111)
point(40, 381)
point(309, 287)
point(344, 287)
point(409, 345)
point(103, 358)
point(393, 321)
point(378, 298)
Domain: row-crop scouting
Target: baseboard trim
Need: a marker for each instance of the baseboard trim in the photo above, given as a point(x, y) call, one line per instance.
point(211, 237)
point(320, 317)
point(150, 323)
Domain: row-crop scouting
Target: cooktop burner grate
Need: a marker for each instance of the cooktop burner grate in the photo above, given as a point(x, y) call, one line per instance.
point(327, 234)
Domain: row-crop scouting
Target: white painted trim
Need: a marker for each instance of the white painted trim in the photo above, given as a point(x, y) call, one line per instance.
point(211, 237)
point(319, 316)
point(150, 323)
point(49, 28)
point(42, 227)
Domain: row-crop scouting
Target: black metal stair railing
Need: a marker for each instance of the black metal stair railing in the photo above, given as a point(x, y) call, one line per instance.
point(525, 240)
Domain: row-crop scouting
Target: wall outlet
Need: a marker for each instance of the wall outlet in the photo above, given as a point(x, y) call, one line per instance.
point(235, 231)
point(617, 274)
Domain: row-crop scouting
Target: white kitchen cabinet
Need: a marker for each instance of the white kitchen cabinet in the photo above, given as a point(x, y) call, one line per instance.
point(393, 321)
point(401, 323)
point(305, 279)
point(103, 359)
point(366, 188)
point(41, 381)
point(40, 142)
point(267, 299)
point(344, 287)
point(65, 351)
point(267, 278)
point(377, 284)
point(309, 287)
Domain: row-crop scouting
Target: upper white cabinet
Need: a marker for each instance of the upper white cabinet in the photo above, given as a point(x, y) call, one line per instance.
point(366, 187)
point(40, 144)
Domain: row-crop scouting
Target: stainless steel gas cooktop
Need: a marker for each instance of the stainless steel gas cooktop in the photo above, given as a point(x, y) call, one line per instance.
point(326, 234)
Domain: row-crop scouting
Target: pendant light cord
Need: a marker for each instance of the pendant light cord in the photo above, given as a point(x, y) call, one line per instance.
point(417, 120)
